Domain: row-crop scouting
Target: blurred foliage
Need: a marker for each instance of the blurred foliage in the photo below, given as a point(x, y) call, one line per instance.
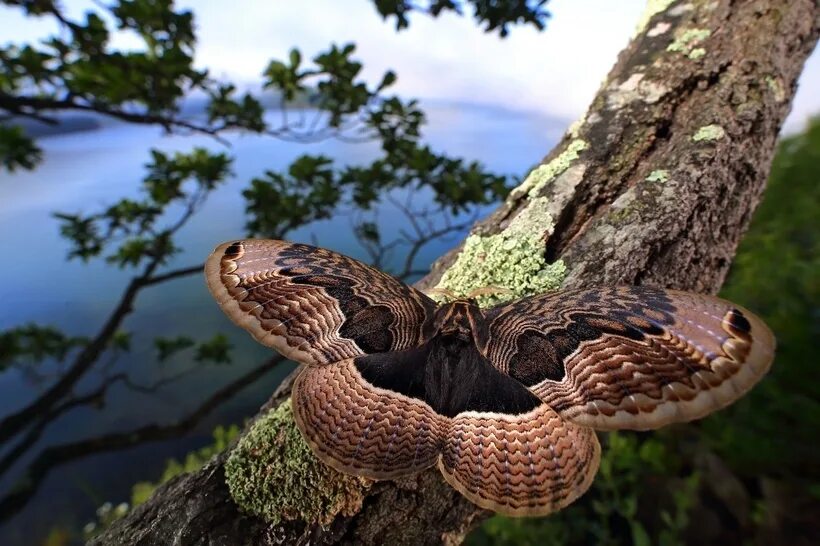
point(223, 436)
point(58, 537)
point(493, 14)
point(646, 489)
point(108, 513)
point(776, 273)
point(216, 350)
point(167, 347)
point(17, 150)
point(33, 343)
point(134, 228)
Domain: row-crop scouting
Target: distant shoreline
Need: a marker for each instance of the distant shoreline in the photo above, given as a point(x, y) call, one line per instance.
point(66, 124)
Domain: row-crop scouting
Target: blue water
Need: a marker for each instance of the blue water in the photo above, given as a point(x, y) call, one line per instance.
point(84, 172)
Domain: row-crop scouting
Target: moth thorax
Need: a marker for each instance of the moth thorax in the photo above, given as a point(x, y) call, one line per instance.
point(459, 319)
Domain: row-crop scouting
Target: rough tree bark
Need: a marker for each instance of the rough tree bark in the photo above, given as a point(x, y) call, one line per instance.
point(655, 185)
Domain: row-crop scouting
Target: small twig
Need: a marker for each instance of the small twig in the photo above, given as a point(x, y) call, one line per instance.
point(174, 274)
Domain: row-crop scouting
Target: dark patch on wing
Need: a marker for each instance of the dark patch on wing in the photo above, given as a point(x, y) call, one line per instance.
point(538, 358)
point(399, 371)
point(652, 302)
point(739, 323)
point(366, 324)
point(369, 329)
point(234, 250)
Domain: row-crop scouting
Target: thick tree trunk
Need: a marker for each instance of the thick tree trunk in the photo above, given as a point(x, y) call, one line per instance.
point(655, 185)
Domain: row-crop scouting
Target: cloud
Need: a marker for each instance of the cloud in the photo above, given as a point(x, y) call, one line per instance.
point(556, 71)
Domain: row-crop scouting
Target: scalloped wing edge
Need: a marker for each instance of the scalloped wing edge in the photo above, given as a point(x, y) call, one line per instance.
point(215, 279)
point(751, 371)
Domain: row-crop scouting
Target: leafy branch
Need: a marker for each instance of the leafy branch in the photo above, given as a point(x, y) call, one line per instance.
point(53, 456)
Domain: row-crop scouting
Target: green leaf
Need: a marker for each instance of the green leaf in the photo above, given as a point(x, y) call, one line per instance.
point(83, 233)
point(17, 150)
point(639, 535)
point(167, 347)
point(216, 350)
point(121, 340)
point(295, 58)
point(368, 231)
point(388, 79)
point(34, 343)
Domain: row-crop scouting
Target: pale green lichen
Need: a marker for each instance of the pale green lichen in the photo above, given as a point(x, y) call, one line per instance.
point(775, 85)
point(709, 132)
point(513, 260)
point(697, 53)
point(543, 174)
point(659, 175)
point(533, 218)
point(575, 127)
point(686, 41)
point(653, 7)
point(273, 474)
point(635, 88)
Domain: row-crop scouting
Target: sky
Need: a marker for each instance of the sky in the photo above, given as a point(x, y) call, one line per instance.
point(555, 72)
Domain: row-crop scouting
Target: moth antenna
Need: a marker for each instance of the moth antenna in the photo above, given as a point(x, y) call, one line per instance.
point(442, 292)
point(489, 290)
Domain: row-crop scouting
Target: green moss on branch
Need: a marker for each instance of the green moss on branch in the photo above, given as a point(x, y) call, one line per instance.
point(273, 474)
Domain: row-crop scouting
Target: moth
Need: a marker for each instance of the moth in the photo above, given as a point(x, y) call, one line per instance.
point(506, 400)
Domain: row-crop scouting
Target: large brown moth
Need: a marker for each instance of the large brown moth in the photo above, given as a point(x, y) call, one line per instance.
point(504, 400)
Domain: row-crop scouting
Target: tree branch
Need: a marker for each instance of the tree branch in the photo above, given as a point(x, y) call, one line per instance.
point(174, 274)
point(54, 456)
point(28, 106)
point(12, 424)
